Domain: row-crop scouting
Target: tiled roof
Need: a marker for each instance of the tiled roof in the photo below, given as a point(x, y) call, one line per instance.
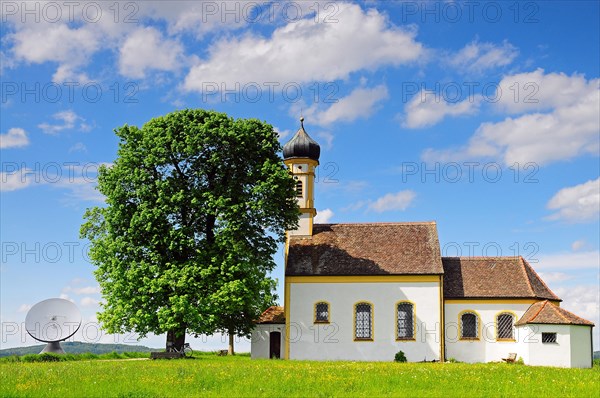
point(273, 314)
point(544, 312)
point(366, 249)
point(492, 277)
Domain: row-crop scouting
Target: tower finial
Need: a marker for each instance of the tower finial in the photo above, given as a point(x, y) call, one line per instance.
point(302, 121)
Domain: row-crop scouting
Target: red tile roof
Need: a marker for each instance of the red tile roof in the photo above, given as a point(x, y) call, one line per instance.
point(366, 249)
point(273, 314)
point(544, 312)
point(492, 277)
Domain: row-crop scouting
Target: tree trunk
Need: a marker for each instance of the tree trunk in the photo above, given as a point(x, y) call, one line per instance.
point(176, 338)
point(230, 350)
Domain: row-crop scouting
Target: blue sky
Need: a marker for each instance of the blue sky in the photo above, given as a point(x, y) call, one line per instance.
point(482, 116)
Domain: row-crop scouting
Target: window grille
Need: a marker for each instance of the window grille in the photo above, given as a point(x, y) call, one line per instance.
point(363, 322)
point(548, 337)
point(405, 321)
point(322, 312)
point(505, 326)
point(469, 327)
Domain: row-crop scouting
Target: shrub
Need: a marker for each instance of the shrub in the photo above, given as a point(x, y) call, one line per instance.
point(400, 357)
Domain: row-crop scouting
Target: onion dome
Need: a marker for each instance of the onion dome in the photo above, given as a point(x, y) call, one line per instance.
point(301, 146)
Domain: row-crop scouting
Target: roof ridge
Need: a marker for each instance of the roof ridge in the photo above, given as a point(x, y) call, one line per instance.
point(480, 257)
point(522, 264)
point(378, 223)
point(527, 265)
point(540, 310)
point(560, 313)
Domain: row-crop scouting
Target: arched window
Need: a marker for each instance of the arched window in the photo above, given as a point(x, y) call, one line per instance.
point(298, 189)
point(405, 321)
point(504, 326)
point(469, 326)
point(363, 321)
point(321, 312)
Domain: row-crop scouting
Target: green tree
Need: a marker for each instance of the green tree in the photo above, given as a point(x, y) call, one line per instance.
point(196, 203)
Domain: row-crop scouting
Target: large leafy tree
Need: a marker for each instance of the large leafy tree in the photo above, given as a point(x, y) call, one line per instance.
point(196, 203)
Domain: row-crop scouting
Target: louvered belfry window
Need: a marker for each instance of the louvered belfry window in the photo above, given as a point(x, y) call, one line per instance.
point(504, 323)
point(469, 327)
point(299, 189)
point(405, 321)
point(322, 312)
point(363, 321)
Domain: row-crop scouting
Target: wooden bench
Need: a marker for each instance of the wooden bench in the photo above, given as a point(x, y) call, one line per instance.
point(512, 357)
point(165, 355)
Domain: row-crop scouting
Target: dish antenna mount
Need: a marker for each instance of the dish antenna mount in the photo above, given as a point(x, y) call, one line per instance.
point(52, 321)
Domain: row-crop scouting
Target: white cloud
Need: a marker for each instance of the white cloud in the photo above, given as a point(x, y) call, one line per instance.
point(24, 308)
point(82, 290)
point(66, 297)
point(68, 120)
point(78, 147)
point(427, 108)
point(552, 277)
point(393, 201)
point(580, 203)
point(282, 133)
point(478, 57)
point(360, 103)
point(14, 138)
point(323, 216)
point(569, 129)
point(578, 244)
point(539, 91)
point(89, 302)
point(145, 49)
point(55, 42)
point(567, 261)
point(305, 51)
point(13, 181)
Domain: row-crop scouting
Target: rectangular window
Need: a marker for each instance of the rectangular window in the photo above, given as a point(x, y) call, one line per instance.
point(363, 327)
point(548, 337)
point(405, 321)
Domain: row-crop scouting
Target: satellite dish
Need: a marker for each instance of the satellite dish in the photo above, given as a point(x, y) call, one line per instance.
point(53, 321)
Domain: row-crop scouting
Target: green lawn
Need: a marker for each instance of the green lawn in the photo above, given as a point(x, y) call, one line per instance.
point(209, 375)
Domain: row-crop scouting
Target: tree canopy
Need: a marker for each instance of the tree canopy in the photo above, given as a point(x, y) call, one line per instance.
point(196, 203)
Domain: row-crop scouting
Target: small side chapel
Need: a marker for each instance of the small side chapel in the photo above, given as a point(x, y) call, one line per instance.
point(364, 291)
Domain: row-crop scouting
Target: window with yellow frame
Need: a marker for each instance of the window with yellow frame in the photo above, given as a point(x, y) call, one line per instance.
point(504, 326)
point(405, 320)
point(469, 325)
point(322, 312)
point(363, 321)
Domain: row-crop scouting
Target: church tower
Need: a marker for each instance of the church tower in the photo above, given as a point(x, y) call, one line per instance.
point(301, 156)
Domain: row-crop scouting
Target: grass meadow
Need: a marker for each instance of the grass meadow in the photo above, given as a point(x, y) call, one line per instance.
point(212, 376)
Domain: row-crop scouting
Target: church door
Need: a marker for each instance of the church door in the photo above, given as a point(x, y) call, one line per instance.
point(275, 345)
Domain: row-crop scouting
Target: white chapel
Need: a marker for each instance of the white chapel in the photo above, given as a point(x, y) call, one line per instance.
point(364, 291)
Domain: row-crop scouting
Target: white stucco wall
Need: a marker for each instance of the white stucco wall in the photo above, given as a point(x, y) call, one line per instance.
point(303, 225)
point(335, 341)
point(581, 346)
point(260, 341)
point(548, 354)
point(487, 348)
